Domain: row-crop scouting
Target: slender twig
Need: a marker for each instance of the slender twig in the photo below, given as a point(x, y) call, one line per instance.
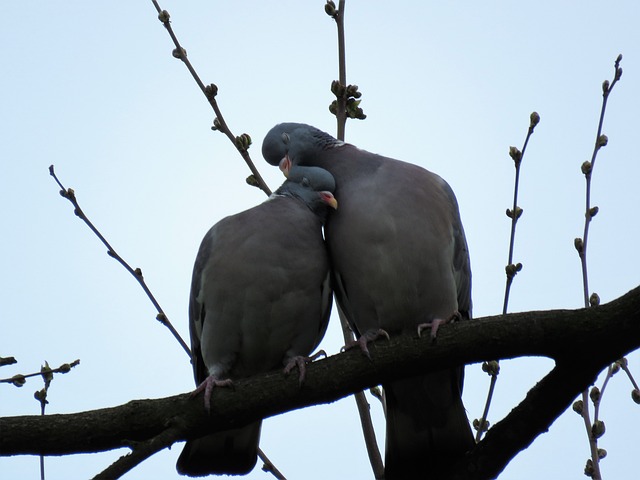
point(269, 466)
point(364, 411)
point(482, 425)
point(623, 365)
point(20, 378)
point(70, 195)
point(493, 367)
point(597, 394)
point(341, 114)
point(7, 361)
point(46, 372)
point(140, 451)
point(242, 142)
point(347, 103)
point(516, 212)
point(41, 396)
point(593, 465)
point(342, 93)
point(587, 169)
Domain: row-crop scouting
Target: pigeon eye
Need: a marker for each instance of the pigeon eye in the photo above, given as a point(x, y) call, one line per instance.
point(285, 138)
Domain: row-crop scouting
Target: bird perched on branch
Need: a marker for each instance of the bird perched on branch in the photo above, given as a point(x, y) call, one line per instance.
point(260, 299)
point(400, 262)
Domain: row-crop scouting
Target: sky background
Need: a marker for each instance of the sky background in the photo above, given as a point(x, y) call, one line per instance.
point(92, 88)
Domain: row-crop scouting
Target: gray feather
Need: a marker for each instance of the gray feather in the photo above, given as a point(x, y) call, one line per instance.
point(399, 258)
point(260, 295)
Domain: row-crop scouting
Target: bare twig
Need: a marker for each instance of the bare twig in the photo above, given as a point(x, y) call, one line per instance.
point(516, 212)
point(241, 142)
point(347, 103)
point(493, 367)
point(344, 94)
point(341, 110)
point(7, 361)
point(269, 467)
point(595, 429)
point(20, 379)
point(70, 195)
point(623, 365)
point(140, 451)
point(587, 169)
point(364, 412)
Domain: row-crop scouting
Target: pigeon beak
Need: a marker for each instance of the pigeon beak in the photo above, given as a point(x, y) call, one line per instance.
point(329, 199)
point(285, 165)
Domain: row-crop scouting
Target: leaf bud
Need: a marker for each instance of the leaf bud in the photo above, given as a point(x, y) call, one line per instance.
point(180, 53)
point(41, 396)
point(578, 407)
point(586, 168)
point(64, 368)
point(579, 244)
point(46, 373)
point(598, 429)
point(478, 427)
point(211, 91)
point(535, 120)
point(492, 368)
point(164, 16)
point(602, 141)
point(330, 8)
point(243, 142)
point(251, 180)
point(335, 88)
point(635, 395)
point(515, 154)
point(594, 299)
point(588, 469)
point(594, 394)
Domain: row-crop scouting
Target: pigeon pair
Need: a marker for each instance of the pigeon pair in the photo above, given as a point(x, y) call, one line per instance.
point(398, 258)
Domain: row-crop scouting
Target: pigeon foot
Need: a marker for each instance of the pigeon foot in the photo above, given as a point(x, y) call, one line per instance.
point(366, 338)
point(434, 324)
point(207, 387)
point(301, 363)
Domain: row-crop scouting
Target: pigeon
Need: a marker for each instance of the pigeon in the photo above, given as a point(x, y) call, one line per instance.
point(399, 261)
point(260, 299)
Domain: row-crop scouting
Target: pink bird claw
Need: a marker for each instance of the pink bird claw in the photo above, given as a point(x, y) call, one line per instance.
point(435, 324)
point(364, 339)
point(301, 363)
point(207, 387)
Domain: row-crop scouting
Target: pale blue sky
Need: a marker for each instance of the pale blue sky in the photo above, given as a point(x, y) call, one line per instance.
point(92, 88)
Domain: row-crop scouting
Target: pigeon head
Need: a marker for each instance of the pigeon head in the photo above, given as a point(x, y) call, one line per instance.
point(289, 144)
point(312, 185)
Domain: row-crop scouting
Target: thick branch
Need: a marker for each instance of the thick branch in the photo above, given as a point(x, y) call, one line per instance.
point(582, 342)
point(543, 404)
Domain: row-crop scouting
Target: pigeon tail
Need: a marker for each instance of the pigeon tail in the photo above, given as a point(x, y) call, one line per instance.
point(231, 452)
point(427, 426)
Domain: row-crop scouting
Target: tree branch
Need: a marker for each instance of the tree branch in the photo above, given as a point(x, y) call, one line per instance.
point(582, 342)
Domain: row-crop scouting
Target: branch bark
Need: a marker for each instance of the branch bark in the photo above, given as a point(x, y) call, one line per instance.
point(582, 342)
